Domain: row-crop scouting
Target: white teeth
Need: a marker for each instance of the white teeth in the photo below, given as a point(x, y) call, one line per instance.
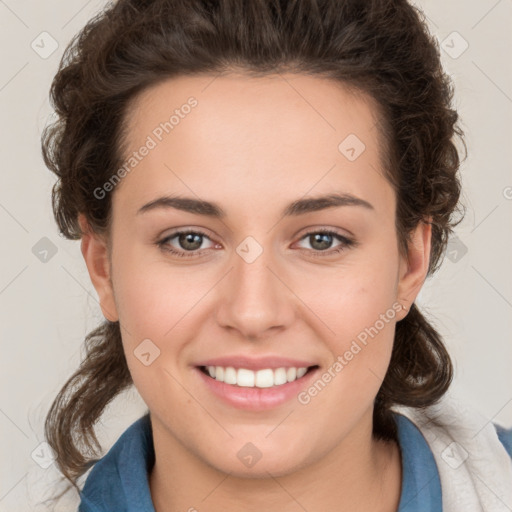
point(261, 379)
point(280, 376)
point(230, 375)
point(245, 378)
point(291, 374)
point(301, 372)
point(264, 378)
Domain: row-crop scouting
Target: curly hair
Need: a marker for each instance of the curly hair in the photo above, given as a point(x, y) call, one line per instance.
point(380, 47)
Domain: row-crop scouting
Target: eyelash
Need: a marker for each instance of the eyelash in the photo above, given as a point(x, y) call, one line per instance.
point(346, 243)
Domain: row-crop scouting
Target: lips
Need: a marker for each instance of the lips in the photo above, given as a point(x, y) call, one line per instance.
point(255, 383)
point(254, 398)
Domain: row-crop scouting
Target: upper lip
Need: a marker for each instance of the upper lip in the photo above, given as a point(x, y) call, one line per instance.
point(256, 363)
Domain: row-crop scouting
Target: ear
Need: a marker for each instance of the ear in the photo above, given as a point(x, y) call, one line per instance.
point(95, 252)
point(414, 266)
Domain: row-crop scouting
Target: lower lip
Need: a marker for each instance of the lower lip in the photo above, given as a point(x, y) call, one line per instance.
point(256, 399)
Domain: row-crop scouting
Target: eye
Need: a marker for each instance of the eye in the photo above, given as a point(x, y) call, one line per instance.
point(190, 241)
point(322, 239)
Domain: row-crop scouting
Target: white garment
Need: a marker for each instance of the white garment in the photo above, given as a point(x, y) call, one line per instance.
point(474, 468)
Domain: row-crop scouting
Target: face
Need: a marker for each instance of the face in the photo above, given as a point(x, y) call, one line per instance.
point(264, 280)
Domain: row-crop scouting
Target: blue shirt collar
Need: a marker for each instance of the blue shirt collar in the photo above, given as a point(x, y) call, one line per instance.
point(120, 480)
point(421, 487)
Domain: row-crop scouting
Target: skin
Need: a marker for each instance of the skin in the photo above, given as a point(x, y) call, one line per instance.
point(254, 145)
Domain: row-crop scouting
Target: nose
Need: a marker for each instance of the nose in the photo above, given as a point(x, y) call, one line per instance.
point(254, 298)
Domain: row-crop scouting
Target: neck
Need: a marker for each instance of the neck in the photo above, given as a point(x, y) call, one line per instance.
point(360, 474)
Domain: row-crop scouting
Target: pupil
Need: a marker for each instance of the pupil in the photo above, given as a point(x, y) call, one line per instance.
point(319, 237)
point(189, 238)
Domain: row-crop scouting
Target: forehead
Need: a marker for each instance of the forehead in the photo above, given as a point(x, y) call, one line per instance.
point(263, 105)
point(279, 134)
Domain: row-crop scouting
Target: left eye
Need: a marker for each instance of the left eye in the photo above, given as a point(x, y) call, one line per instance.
point(190, 242)
point(323, 240)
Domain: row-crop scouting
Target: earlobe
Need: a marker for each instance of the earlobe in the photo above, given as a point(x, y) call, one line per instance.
point(414, 267)
point(95, 252)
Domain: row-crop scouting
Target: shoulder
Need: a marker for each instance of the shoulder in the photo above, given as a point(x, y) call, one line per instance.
point(118, 481)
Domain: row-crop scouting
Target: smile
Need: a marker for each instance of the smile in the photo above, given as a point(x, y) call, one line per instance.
point(264, 378)
point(252, 389)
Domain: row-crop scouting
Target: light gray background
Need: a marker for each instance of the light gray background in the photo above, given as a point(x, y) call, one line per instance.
point(48, 307)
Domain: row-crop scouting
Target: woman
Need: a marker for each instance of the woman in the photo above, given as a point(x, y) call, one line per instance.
point(261, 189)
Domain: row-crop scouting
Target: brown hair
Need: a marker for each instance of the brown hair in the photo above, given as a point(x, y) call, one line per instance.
point(380, 47)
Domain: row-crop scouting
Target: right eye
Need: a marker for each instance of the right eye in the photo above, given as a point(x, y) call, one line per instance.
point(188, 239)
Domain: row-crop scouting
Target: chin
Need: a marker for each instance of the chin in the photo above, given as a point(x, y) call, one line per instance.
point(247, 461)
point(260, 470)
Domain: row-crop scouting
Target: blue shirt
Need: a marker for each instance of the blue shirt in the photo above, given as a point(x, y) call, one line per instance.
point(119, 481)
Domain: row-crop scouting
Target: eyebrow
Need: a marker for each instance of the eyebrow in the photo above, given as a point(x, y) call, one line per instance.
point(299, 207)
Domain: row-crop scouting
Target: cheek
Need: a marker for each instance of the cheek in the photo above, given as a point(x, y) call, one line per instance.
point(352, 298)
point(151, 296)
point(154, 304)
point(153, 307)
point(358, 310)
point(361, 324)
